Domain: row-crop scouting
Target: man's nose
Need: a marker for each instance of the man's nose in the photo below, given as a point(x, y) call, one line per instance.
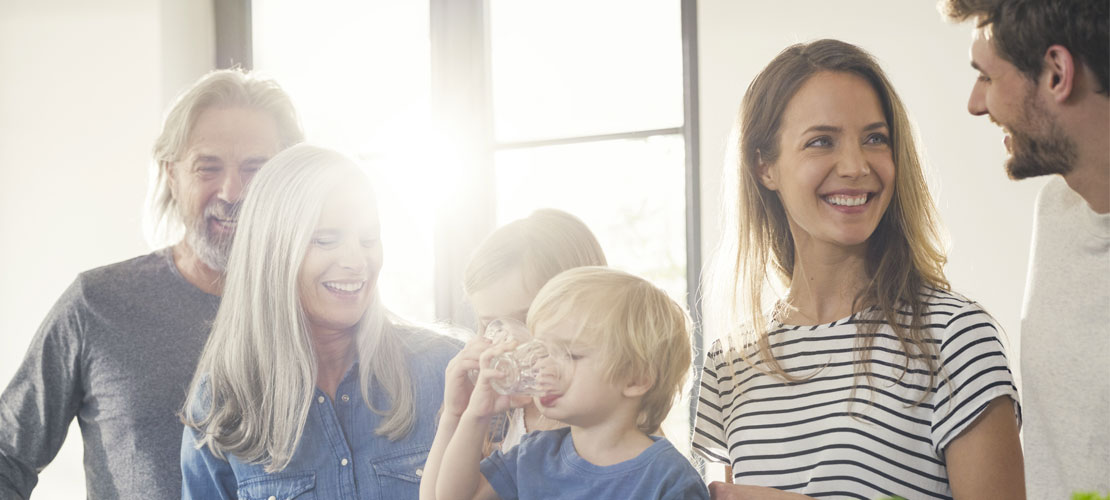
point(977, 102)
point(232, 188)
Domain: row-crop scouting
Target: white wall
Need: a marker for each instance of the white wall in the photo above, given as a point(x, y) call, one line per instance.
point(989, 217)
point(82, 91)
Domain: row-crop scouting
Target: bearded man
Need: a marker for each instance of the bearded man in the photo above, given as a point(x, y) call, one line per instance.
point(1043, 78)
point(118, 349)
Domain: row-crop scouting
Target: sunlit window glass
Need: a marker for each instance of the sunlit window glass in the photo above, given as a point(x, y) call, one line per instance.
point(629, 192)
point(583, 67)
point(359, 75)
point(565, 71)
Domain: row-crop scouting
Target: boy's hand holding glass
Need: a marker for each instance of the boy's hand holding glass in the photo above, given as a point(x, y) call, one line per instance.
point(516, 367)
point(512, 374)
point(526, 368)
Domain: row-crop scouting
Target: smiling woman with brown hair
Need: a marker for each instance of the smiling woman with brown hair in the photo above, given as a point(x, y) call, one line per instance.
point(867, 377)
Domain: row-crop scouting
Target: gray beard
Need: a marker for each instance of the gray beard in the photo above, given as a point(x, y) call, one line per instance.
point(211, 250)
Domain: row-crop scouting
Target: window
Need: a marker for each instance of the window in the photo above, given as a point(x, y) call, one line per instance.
point(471, 113)
point(587, 117)
point(358, 73)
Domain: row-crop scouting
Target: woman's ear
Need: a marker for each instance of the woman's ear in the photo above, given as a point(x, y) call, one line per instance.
point(768, 175)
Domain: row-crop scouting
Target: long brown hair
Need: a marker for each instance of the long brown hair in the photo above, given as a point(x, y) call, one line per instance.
point(904, 254)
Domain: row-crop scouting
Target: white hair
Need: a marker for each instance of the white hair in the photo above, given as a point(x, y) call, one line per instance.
point(225, 88)
point(255, 380)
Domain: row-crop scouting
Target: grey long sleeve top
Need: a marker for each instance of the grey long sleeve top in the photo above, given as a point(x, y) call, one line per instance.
point(117, 352)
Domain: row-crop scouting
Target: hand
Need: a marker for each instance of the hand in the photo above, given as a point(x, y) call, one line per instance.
point(457, 384)
point(484, 400)
point(725, 491)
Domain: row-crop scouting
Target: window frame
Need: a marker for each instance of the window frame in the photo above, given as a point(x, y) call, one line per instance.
point(461, 95)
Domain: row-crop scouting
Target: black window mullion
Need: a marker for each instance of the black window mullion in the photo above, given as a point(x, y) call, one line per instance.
point(234, 46)
point(690, 129)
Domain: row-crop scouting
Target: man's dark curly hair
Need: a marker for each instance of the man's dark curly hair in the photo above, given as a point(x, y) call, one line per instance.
point(1022, 30)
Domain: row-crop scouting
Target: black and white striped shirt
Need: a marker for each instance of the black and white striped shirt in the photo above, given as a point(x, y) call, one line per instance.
point(818, 438)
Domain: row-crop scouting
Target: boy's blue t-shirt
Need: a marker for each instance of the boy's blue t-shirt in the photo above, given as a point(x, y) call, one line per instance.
point(546, 465)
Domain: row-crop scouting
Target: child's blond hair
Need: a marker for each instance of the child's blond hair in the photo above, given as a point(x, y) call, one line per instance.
point(642, 333)
point(540, 246)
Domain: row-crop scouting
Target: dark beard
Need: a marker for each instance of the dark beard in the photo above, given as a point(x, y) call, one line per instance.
point(1052, 153)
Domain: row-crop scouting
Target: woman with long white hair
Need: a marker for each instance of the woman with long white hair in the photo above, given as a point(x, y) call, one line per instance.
point(307, 384)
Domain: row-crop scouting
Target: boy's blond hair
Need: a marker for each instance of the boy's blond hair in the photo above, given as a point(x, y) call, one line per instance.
point(642, 333)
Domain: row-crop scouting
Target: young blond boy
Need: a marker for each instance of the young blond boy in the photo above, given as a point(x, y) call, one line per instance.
point(630, 351)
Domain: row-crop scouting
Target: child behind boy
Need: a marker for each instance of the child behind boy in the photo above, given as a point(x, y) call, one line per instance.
point(630, 350)
point(504, 275)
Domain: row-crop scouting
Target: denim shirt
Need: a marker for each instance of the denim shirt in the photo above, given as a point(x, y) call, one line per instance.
point(339, 456)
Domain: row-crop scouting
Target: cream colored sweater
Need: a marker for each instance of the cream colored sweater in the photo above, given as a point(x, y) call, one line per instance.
point(1065, 348)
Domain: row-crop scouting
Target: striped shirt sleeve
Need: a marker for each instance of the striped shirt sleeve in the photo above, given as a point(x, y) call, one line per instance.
point(974, 372)
point(709, 433)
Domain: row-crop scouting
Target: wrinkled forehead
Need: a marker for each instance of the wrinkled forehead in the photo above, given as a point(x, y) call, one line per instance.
point(232, 133)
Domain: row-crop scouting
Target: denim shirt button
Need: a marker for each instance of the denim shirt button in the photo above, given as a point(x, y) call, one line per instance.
point(345, 398)
point(319, 399)
point(419, 472)
point(272, 498)
point(343, 462)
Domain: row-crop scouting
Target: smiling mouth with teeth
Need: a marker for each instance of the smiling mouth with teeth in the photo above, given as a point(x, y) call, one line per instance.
point(344, 287)
point(848, 201)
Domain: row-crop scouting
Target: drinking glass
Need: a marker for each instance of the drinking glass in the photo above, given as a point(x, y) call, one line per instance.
point(532, 369)
point(503, 330)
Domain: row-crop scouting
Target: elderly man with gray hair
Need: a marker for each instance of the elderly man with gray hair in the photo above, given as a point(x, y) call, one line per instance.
point(120, 346)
